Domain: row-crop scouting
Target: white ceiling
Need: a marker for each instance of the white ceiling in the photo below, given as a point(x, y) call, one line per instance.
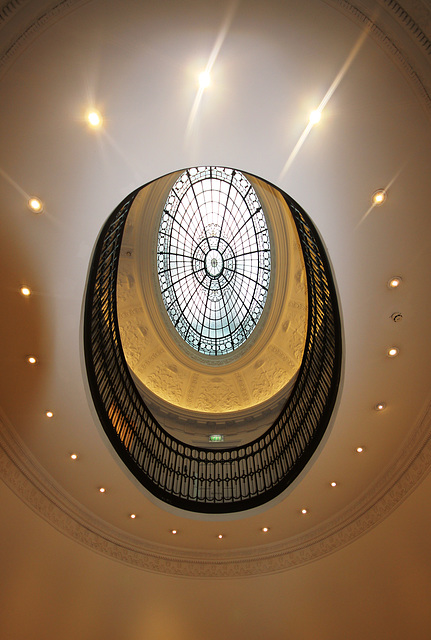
point(357, 564)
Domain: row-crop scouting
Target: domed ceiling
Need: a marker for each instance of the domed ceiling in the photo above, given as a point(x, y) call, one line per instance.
point(233, 393)
point(365, 66)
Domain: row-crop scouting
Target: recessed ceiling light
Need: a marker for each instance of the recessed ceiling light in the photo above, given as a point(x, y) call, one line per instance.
point(380, 406)
point(49, 414)
point(25, 291)
point(315, 116)
point(359, 449)
point(31, 360)
point(333, 484)
point(94, 119)
point(220, 536)
point(393, 351)
point(74, 456)
point(304, 511)
point(174, 532)
point(379, 197)
point(204, 79)
point(133, 516)
point(265, 529)
point(394, 282)
point(35, 205)
point(102, 490)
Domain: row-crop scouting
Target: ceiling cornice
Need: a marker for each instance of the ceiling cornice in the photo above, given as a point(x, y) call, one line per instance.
point(419, 12)
point(382, 18)
point(9, 10)
point(23, 474)
point(30, 29)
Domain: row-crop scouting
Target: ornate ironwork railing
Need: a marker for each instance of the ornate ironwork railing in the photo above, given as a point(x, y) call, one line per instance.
point(202, 479)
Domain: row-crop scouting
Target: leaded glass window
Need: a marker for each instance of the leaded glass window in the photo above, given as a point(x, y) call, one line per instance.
point(213, 258)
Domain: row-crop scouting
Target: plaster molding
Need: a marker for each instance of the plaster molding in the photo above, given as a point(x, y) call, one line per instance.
point(419, 12)
point(167, 382)
point(23, 474)
point(382, 26)
point(25, 36)
point(9, 9)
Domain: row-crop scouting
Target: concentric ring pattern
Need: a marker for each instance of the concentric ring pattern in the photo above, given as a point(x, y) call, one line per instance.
point(213, 258)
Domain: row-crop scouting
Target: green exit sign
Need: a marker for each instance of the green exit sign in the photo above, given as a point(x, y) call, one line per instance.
point(216, 438)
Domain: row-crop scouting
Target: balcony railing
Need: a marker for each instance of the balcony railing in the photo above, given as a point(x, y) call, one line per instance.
point(195, 478)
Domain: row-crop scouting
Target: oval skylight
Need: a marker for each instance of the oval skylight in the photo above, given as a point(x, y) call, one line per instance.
point(213, 258)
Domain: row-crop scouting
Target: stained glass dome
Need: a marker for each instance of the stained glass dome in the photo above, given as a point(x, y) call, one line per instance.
point(213, 258)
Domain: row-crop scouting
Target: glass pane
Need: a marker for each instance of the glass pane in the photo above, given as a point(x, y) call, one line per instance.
point(213, 258)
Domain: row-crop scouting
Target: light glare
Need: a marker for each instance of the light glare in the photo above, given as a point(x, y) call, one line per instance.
point(94, 119)
point(394, 282)
point(25, 291)
point(379, 197)
point(204, 79)
point(315, 116)
point(35, 205)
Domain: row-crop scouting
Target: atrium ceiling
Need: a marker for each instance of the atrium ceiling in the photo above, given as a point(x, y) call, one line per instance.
point(356, 564)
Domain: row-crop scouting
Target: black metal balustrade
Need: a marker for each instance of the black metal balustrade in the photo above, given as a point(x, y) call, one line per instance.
point(202, 479)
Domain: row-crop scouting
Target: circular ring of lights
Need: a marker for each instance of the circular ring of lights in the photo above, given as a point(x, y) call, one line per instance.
point(213, 258)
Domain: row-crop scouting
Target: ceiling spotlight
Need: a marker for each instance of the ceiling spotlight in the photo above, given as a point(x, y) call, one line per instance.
point(74, 456)
point(395, 282)
point(174, 532)
point(133, 516)
point(379, 197)
point(380, 406)
point(102, 490)
point(359, 449)
point(35, 205)
point(333, 484)
point(220, 536)
point(94, 119)
point(265, 529)
point(49, 414)
point(204, 79)
point(304, 511)
point(315, 116)
point(393, 351)
point(25, 291)
point(31, 360)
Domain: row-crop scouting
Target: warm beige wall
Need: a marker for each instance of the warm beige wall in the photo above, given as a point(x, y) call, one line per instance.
point(376, 588)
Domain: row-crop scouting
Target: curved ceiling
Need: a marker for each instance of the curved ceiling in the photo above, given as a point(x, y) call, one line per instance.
point(234, 394)
point(138, 64)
